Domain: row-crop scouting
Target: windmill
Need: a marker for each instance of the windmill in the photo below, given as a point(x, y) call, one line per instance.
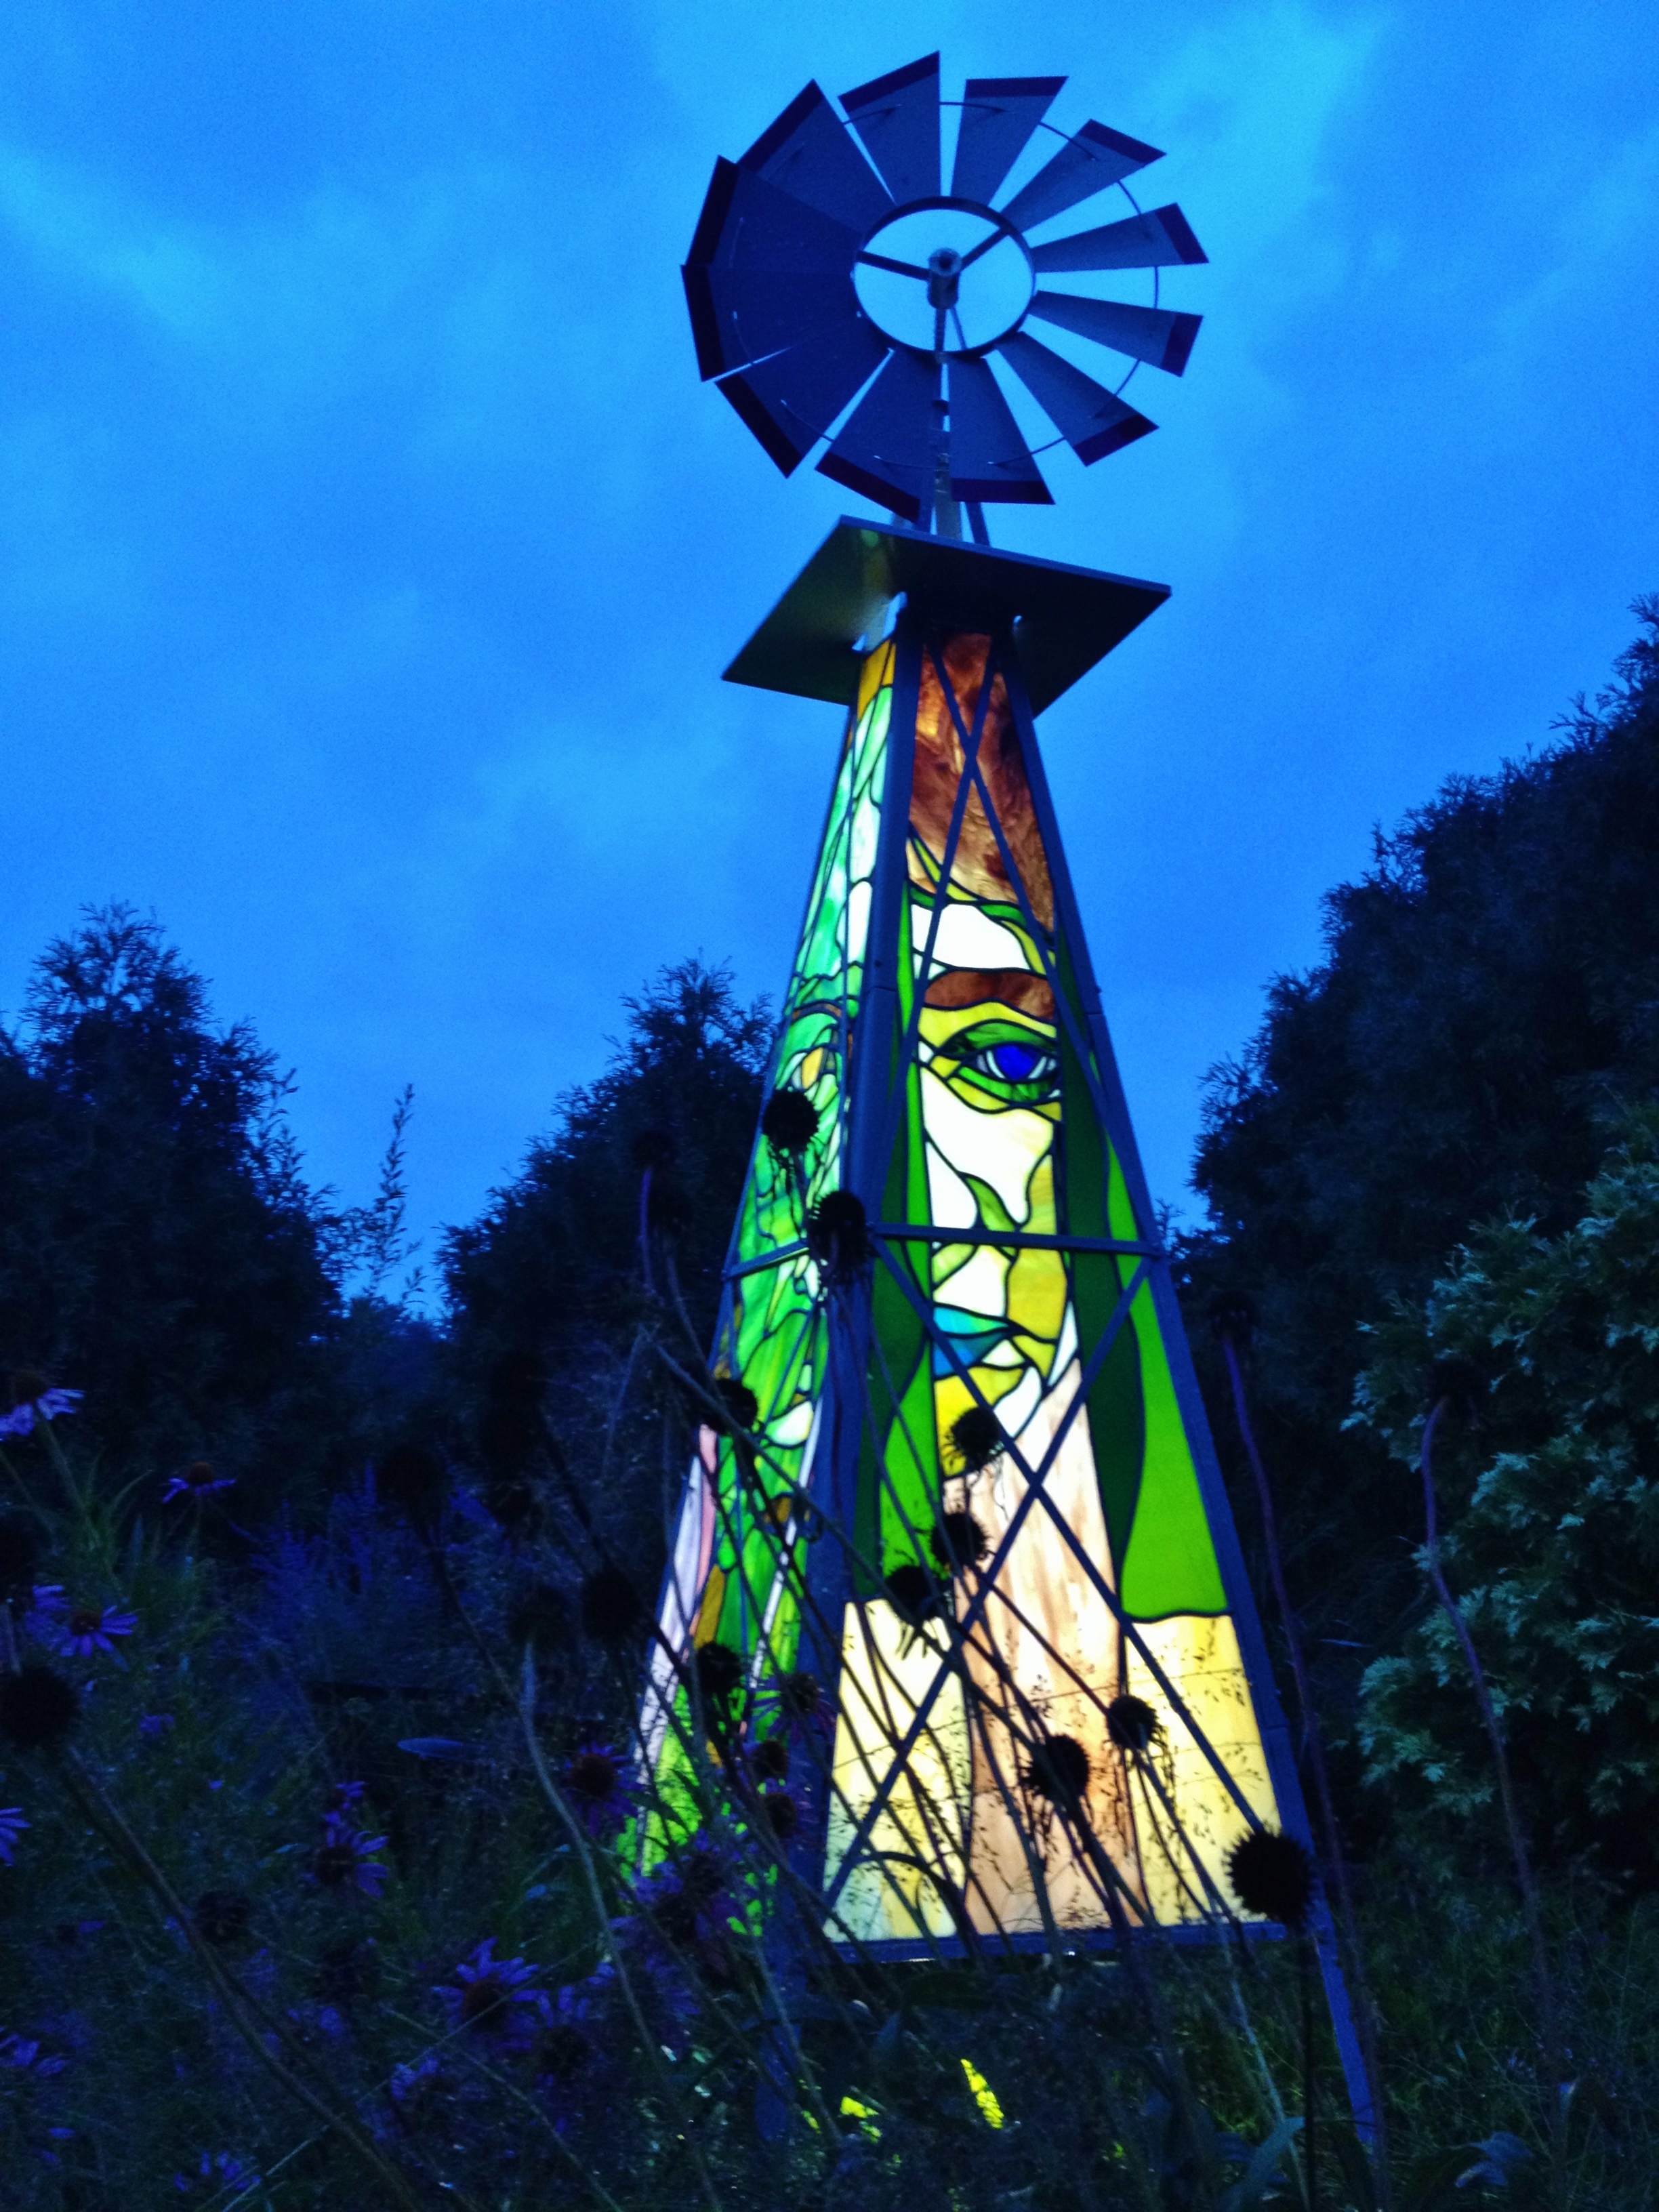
point(954, 1566)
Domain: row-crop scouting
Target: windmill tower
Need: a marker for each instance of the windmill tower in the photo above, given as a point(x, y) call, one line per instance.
point(957, 1564)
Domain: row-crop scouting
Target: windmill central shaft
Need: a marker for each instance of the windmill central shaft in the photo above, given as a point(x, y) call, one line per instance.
point(943, 277)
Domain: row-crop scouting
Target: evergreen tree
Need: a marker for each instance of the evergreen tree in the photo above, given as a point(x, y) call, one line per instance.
point(159, 1248)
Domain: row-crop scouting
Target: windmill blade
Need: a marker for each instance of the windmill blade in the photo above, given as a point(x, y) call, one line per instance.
point(886, 449)
point(990, 459)
point(1086, 165)
point(999, 114)
point(1161, 239)
point(896, 117)
point(747, 223)
point(790, 401)
point(1148, 334)
point(807, 153)
point(745, 315)
point(1093, 421)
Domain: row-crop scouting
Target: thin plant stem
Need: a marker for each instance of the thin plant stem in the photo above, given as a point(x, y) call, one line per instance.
point(243, 2009)
point(1330, 1833)
point(573, 1829)
point(1523, 1874)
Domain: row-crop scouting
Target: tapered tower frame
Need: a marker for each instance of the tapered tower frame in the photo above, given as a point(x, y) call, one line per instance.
point(1038, 625)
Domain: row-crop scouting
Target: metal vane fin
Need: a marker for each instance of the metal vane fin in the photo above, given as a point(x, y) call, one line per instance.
point(1162, 239)
point(896, 117)
point(792, 400)
point(886, 450)
point(1148, 334)
point(999, 114)
point(806, 152)
point(990, 459)
point(1086, 165)
point(1093, 421)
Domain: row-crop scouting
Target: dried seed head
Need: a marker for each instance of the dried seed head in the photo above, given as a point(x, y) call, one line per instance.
point(1273, 1874)
point(1058, 1770)
point(790, 1122)
point(1131, 1723)
point(976, 1438)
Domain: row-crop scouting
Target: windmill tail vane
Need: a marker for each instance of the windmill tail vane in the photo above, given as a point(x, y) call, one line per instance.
point(955, 1598)
point(841, 293)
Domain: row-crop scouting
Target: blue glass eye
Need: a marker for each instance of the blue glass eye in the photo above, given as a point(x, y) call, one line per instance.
point(1016, 1063)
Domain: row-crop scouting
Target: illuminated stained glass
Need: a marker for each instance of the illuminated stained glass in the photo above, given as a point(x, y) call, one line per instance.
point(990, 1593)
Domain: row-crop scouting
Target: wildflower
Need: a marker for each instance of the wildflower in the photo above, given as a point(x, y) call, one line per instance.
point(838, 1239)
point(1131, 1724)
point(346, 1857)
point(88, 1630)
point(342, 1796)
point(12, 1824)
point(976, 1438)
point(610, 1606)
point(790, 1122)
point(47, 1604)
point(37, 1707)
point(220, 1915)
point(413, 2088)
point(15, 2050)
point(1273, 1874)
point(33, 1402)
point(958, 1541)
point(217, 2174)
point(486, 1990)
point(795, 1701)
point(595, 1780)
point(154, 1726)
point(1059, 1770)
point(690, 1903)
point(198, 1480)
point(562, 2042)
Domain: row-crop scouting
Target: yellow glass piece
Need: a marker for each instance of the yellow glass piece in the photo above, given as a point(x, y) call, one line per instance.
point(1199, 1654)
point(917, 1839)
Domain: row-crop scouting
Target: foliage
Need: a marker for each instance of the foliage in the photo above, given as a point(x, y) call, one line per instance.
point(1489, 995)
point(545, 1295)
point(1552, 1510)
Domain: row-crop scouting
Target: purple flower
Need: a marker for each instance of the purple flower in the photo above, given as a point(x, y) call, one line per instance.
point(15, 2050)
point(85, 1631)
point(564, 2042)
point(345, 1858)
point(199, 1480)
point(688, 1905)
point(796, 1703)
point(486, 1990)
point(154, 1726)
point(342, 1797)
point(218, 2173)
point(12, 1824)
point(35, 1403)
point(47, 1605)
point(595, 1780)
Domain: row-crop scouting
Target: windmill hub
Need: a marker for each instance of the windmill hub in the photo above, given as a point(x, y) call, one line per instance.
point(954, 260)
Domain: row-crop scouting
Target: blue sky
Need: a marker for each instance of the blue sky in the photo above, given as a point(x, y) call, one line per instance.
point(370, 550)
